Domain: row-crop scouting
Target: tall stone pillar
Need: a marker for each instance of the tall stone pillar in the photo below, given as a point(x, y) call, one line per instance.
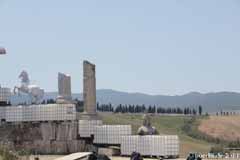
point(89, 92)
point(89, 88)
point(64, 88)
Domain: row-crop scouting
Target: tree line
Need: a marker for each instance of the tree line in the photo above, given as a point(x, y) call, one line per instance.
point(123, 108)
point(225, 113)
point(148, 109)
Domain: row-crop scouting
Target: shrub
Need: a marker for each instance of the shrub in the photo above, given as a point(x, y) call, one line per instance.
point(7, 154)
point(217, 149)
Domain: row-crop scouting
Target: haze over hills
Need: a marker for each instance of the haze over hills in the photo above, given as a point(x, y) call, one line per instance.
point(211, 102)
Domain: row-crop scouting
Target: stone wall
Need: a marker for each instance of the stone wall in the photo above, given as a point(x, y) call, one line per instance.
point(43, 138)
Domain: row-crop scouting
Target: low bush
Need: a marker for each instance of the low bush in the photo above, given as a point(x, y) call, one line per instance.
point(7, 154)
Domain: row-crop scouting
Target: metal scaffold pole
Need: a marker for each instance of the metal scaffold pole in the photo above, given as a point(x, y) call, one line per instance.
point(2, 52)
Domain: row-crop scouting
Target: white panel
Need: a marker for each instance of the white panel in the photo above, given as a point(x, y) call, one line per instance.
point(14, 114)
point(128, 144)
point(48, 112)
point(87, 127)
point(152, 145)
point(111, 134)
point(5, 94)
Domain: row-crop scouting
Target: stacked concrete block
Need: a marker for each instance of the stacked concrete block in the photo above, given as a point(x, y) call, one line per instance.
point(172, 144)
point(72, 131)
point(101, 136)
point(66, 132)
point(76, 146)
point(48, 131)
point(14, 114)
point(144, 145)
point(128, 144)
point(151, 145)
point(111, 134)
point(87, 128)
point(5, 94)
point(158, 145)
point(47, 138)
point(48, 112)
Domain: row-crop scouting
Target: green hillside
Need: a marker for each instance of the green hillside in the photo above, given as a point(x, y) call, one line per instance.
point(165, 125)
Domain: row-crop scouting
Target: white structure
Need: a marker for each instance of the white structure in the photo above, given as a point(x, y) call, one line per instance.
point(21, 99)
point(5, 94)
point(45, 112)
point(64, 88)
point(151, 145)
point(87, 128)
point(111, 134)
point(33, 92)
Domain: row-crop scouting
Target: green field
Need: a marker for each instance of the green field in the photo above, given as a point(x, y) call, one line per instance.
point(165, 125)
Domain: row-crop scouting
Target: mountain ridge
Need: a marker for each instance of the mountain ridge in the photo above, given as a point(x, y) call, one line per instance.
point(211, 102)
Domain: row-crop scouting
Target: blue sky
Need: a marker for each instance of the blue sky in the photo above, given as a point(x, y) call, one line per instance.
point(154, 47)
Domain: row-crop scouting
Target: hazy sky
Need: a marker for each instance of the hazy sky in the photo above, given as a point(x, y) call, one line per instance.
point(156, 47)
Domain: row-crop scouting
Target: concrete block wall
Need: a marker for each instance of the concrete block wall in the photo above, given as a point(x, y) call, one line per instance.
point(45, 138)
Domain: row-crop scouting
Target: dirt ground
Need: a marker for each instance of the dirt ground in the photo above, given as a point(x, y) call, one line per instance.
point(42, 157)
point(53, 157)
point(224, 127)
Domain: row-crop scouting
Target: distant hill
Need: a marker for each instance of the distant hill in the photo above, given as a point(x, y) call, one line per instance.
point(211, 102)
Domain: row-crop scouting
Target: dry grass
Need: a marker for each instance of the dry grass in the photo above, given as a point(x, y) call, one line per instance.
point(223, 127)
